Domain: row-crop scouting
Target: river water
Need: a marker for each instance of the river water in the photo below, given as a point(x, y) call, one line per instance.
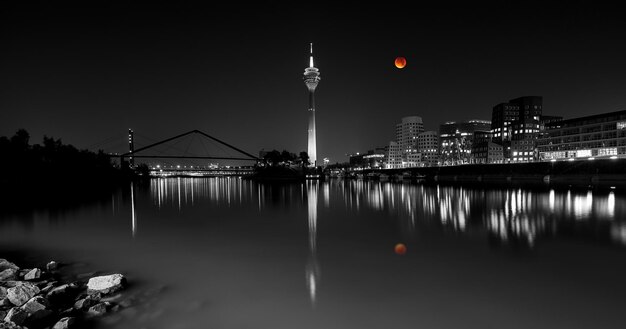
point(230, 253)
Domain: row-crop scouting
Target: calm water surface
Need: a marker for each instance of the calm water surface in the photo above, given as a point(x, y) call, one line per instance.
point(237, 254)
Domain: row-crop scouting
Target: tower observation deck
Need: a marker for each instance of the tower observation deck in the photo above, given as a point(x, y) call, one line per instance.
point(311, 79)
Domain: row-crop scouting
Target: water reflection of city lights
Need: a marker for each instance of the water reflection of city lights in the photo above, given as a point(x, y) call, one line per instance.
point(133, 211)
point(610, 205)
point(508, 214)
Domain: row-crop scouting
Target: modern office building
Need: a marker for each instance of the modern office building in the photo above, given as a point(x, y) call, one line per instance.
point(456, 140)
point(515, 126)
point(407, 131)
point(595, 136)
point(393, 156)
point(484, 151)
point(428, 148)
point(372, 159)
point(311, 79)
point(401, 152)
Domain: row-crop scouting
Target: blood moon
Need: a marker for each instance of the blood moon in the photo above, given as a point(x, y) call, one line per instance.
point(400, 249)
point(400, 62)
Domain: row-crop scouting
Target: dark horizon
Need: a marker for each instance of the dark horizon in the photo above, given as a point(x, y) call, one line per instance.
point(86, 74)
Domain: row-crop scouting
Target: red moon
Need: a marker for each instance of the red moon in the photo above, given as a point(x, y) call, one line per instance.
point(400, 249)
point(400, 62)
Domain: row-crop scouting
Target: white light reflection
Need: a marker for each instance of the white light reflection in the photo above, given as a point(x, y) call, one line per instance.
point(582, 206)
point(326, 195)
point(610, 205)
point(551, 202)
point(178, 192)
point(312, 269)
point(132, 210)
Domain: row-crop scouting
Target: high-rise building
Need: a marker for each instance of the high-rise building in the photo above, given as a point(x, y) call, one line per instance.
point(428, 147)
point(515, 126)
point(484, 151)
point(595, 136)
point(393, 156)
point(406, 133)
point(456, 140)
point(311, 79)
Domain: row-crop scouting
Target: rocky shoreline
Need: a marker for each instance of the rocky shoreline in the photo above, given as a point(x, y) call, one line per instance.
point(38, 298)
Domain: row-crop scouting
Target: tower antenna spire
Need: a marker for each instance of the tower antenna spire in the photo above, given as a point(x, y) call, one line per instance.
point(311, 58)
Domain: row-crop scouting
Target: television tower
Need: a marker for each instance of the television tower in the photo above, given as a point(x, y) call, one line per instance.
point(311, 79)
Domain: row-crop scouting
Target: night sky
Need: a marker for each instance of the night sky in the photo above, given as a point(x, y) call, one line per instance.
point(86, 74)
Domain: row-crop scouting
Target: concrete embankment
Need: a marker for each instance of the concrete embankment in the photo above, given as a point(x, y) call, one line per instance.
point(598, 172)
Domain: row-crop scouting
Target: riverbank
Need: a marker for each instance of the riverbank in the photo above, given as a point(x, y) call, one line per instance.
point(278, 174)
point(53, 296)
point(598, 172)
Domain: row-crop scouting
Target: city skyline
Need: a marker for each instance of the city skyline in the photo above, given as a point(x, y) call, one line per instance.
point(86, 74)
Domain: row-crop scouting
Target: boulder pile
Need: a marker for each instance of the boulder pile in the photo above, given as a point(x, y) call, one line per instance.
point(36, 298)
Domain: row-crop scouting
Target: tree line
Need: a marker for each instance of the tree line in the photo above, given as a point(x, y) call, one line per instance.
point(285, 158)
point(51, 161)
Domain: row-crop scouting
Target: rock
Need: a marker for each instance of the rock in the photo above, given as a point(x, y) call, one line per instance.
point(16, 315)
point(21, 293)
point(10, 325)
point(33, 274)
point(5, 302)
point(36, 304)
point(51, 266)
point(85, 303)
point(77, 285)
point(3, 292)
point(62, 289)
point(106, 284)
point(97, 310)
point(11, 283)
point(3, 314)
point(8, 274)
point(62, 295)
point(46, 289)
point(5, 264)
point(65, 323)
point(37, 309)
point(42, 283)
point(68, 313)
point(95, 295)
point(113, 298)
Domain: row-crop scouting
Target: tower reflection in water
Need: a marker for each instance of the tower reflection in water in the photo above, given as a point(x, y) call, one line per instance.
point(312, 270)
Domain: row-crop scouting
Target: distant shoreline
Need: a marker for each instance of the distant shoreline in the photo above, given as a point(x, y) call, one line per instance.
point(601, 172)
